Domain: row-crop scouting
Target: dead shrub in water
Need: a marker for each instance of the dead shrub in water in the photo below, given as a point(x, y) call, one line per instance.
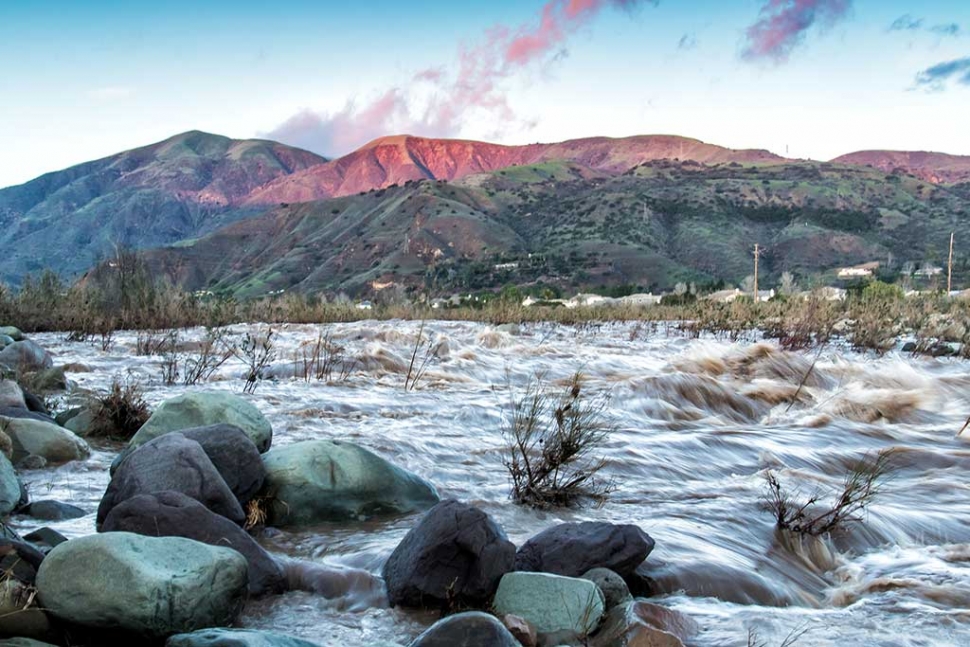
point(425, 349)
point(214, 351)
point(810, 516)
point(324, 359)
point(256, 352)
point(121, 413)
point(550, 439)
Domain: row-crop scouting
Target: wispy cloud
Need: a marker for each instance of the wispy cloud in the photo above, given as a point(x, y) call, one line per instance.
point(783, 25)
point(112, 93)
point(907, 22)
point(474, 83)
point(687, 42)
point(937, 77)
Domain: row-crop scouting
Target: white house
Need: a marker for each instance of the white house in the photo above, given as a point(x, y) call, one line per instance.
point(928, 270)
point(859, 271)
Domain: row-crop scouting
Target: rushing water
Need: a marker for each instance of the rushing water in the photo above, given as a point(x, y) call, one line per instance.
point(698, 423)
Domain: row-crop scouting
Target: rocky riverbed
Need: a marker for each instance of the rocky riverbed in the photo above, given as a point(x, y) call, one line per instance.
point(348, 542)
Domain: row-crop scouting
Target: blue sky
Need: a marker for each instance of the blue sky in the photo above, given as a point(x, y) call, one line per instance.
point(80, 80)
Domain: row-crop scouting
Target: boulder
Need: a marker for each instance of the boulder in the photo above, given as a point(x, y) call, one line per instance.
point(326, 480)
point(638, 623)
point(171, 462)
point(235, 638)
point(172, 514)
point(9, 487)
point(232, 453)
point(457, 553)
point(25, 356)
point(11, 395)
point(45, 439)
point(470, 629)
point(53, 511)
point(36, 405)
point(6, 445)
point(235, 456)
point(614, 589)
point(23, 642)
point(551, 603)
point(12, 332)
point(150, 586)
point(571, 549)
point(203, 408)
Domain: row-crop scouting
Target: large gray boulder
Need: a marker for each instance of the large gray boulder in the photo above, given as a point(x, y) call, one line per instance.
point(327, 480)
point(172, 514)
point(469, 629)
point(25, 356)
point(203, 408)
point(457, 553)
point(171, 462)
point(571, 549)
point(235, 638)
point(551, 603)
point(45, 439)
point(149, 586)
point(12, 332)
point(231, 451)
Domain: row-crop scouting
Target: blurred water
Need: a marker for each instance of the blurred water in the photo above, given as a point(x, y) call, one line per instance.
point(699, 421)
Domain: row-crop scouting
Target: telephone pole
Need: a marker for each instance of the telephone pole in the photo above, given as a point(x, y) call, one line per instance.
point(949, 268)
point(757, 253)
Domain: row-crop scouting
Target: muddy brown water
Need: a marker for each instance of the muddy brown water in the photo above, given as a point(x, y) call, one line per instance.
point(698, 423)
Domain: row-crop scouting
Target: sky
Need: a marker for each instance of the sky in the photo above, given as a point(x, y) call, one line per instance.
point(804, 78)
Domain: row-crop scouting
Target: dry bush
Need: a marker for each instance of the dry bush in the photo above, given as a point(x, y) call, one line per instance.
point(325, 360)
point(256, 351)
point(214, 351)
point(810, 515)
point(425, 349)
point(121, 413)
point(550, 439)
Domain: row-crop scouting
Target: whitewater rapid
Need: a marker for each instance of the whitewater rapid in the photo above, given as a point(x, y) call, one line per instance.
point(698, 423)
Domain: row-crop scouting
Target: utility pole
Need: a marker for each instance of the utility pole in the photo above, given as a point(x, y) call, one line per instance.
point(949, 268)
point(757, 253)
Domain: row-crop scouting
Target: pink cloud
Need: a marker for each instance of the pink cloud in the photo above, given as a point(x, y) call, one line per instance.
point(782, 25)
point(474, 83)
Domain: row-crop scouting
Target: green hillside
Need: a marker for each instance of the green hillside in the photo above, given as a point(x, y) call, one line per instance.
point(561, 224)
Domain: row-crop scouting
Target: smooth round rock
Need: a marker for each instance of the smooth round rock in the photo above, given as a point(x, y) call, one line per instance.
point(145, 585)
point(203, 408)
point(34, 437)
point(551, 603)
point(171, 462)
point(325, 480)
point(571, 549)
point(457, 553)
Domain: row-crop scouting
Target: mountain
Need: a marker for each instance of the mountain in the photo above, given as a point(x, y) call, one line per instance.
point(394, 160)
point(562, 224)
point(938, 168)
point(156, 195)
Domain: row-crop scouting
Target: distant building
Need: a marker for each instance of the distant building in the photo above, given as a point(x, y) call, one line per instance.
point(859, 271)
point(365, 305)
point(641, 299)
point(505, 266)
point(927, 271)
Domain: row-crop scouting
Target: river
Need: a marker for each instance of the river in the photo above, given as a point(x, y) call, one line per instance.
point(698, 422)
